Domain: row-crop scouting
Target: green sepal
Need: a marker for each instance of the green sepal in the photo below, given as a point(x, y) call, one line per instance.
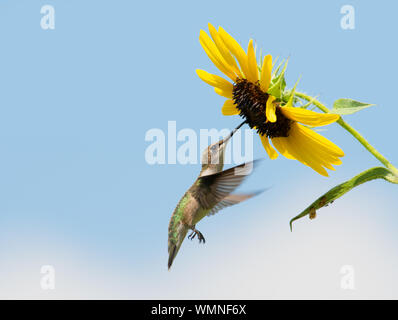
point(310, 102)
point(291, 99)
point(276, 70)
point(278, 82)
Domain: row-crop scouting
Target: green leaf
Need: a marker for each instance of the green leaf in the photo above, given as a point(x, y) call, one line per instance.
point(341, 189)
point(348, 106)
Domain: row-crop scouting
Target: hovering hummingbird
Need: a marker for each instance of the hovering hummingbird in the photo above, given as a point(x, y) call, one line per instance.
point(210, 193)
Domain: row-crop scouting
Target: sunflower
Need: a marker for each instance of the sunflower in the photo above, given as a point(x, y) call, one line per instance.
point(249, 96)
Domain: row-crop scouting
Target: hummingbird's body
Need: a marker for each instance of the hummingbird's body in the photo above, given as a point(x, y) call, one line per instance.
point(209, 193)
point(187, 213)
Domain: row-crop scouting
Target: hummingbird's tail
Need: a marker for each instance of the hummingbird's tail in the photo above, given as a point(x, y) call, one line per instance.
point(176, 237)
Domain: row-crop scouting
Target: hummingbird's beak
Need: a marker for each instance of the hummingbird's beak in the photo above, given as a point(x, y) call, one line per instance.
point(226, 139)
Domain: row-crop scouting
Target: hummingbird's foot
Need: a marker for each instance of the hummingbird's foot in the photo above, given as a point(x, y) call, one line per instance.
point(195, 233)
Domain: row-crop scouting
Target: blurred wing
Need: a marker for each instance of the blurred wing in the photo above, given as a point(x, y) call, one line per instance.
point(219, 185)
point(230, 200)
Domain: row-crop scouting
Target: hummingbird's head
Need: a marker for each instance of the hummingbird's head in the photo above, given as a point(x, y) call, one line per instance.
point(213, 155)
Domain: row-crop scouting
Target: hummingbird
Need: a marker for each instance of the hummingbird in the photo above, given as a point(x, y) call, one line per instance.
point(211, 192)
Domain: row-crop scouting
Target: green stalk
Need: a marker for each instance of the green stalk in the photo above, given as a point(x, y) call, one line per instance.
point(390, 173)
point(353, 132)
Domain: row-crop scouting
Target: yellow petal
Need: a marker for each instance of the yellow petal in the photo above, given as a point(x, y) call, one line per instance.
point(214, 80)
point(280, 145)
point(309, 151)
point(309, 117)
point(266, 70)
point(325, 157)
point(252, 63)
point(270, 109)
point(290, 147)
point(296, 147)
point(224, 50)
point(323, 143)
point(234, 47)
point(215, 56)
point(229, 109)
point(267, 146)
point(224, 93)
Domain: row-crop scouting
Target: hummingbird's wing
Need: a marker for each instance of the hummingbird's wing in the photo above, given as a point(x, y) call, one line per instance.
point(232, 199)
point(219, 185)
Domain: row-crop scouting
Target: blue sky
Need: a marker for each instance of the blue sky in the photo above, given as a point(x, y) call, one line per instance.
point(77, 193)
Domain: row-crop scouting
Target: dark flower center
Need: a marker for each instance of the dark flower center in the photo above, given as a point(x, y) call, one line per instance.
point(251, 102)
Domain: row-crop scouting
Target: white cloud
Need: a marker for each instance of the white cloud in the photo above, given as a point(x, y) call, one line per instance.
point(258, 259)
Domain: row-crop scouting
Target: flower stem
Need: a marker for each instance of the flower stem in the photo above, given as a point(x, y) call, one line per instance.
point(351, 130)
